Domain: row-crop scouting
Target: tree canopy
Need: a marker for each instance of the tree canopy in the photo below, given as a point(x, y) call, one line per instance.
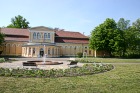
point(106, 37)
point(1, 38)
point(18, 22)
point(118, 39)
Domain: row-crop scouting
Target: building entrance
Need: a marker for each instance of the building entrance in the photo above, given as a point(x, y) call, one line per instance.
point(41, 52)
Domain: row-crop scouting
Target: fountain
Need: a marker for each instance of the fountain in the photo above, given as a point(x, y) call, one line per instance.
point(44, 58)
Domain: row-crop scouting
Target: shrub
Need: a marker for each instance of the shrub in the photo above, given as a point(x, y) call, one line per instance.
point(80, 54)
point(2, 60)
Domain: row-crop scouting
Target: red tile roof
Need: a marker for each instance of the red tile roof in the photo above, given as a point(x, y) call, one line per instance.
point(15, 31)
point(14, 34)
point(70, 34)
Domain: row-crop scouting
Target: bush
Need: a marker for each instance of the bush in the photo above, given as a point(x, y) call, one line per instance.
point(2, 60)
point(80, 54)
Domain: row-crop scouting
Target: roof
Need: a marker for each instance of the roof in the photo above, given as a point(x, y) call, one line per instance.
point(70, 34)
point(41, 28)
point(71, 40)
point(14, 34)
point(15, 31)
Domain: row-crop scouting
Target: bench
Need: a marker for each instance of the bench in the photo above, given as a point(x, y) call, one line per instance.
point(29, 64)
point(73, 64)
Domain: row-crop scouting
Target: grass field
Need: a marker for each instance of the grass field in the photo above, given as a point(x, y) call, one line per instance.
point(125, 78)
point(113, 60)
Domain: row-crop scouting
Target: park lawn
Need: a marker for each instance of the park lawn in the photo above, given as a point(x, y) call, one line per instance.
point(125, 78)
point(112, 60)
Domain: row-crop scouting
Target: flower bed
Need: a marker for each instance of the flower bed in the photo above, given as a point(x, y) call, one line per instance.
point(87, 69)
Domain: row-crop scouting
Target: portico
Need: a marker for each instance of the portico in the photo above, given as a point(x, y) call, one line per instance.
point(41, 50)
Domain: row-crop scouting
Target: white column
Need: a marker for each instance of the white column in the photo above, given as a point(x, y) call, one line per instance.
point(94, 53)
point(31, 52)
point(27, 51)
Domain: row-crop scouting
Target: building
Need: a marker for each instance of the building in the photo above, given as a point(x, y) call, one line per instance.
point(40, 41)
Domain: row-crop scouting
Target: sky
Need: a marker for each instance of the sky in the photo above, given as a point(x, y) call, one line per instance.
point(72, 15)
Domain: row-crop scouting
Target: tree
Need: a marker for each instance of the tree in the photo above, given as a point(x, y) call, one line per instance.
point(1, 38)
point(133, 39)
point(123, 25)
point(107, 37)
point(136, 24)
point(19, 22)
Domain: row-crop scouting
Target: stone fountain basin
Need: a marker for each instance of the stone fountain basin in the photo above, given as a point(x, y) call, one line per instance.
point(38, 62)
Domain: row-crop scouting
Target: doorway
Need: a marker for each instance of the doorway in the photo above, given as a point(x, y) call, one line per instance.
point(41, 52)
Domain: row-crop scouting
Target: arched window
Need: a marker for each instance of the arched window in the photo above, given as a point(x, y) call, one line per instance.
point(48, 35)
point(38, 35)
point(45, 35)
point(34, 35)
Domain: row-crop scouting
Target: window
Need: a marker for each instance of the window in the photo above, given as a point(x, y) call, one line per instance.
point(52, 51)
point(75, 48)
point(48, 35)
point(45, 35)
point(90, 52)
point(33, 51)
point(38, 35)
point(29, 51)
point(49, 51)
point(34, 35)
point(56, 51)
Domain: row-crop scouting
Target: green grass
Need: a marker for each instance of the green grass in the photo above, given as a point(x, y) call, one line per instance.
point(113, 60)
point(122, 79)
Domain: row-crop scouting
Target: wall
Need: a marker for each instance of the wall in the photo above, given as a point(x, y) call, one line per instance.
point(70, 49)
point(49, 39)
point(12, 48)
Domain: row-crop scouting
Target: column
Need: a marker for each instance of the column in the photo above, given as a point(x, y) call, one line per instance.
point(94, 53)
point(27, 51)
point(31, 52)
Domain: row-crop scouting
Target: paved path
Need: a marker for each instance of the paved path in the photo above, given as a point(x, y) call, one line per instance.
point(18, 64)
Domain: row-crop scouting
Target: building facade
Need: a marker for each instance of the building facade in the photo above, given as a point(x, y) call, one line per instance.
point(40, 41)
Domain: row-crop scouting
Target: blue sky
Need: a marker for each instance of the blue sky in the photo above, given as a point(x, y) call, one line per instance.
point(72, 15)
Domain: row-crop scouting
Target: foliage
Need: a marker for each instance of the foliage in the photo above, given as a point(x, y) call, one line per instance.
point(2, 60)
point(123, 24)
point(106, 37)
point(85, 70)
point(1, 38)
point(118, 39)
point(80, 54)
point(19, 22)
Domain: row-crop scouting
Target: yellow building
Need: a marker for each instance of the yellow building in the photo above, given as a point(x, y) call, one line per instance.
point(40, 41)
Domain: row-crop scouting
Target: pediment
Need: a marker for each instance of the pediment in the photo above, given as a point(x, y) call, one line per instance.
point(41, 28)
